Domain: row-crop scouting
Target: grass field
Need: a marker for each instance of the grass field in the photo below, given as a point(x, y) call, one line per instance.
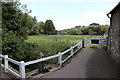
point(52, 44)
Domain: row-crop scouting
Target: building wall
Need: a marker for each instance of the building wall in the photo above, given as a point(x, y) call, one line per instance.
point(114, 35)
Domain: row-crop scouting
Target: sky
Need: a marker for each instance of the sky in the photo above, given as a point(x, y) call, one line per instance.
point(66, 14)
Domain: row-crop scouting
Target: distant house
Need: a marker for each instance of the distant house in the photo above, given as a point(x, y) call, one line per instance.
point(114, 33)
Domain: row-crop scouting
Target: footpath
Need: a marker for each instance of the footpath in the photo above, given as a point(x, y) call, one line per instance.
point(88, 63)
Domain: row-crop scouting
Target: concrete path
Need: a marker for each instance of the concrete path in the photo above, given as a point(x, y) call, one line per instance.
point(8, 76)
point(88, 63)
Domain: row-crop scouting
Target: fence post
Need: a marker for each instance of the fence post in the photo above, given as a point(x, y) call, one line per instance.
point(60, 59)
point(22, 69)
point(6, 63)
point(83, 45)
point(72, 51)
point(0, 68)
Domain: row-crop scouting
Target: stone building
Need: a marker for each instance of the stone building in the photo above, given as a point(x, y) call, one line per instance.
point(114, 33)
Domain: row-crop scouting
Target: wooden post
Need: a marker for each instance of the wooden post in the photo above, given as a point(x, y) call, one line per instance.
point(41, 68)
point(22, 69)
point(0, 68)
point(83, 44)
point(6, 63)
point(60, 59)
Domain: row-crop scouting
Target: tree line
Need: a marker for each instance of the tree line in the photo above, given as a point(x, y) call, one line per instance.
point(85, 30)
point(44, 28)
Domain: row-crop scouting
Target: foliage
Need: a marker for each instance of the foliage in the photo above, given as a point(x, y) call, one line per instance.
point(16, 26)
point(41, 26)
point(33, 29)
point(86, 30)
point(44, 28)
point(49, 28)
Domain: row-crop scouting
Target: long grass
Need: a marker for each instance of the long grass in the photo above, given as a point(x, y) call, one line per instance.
point(52, 44)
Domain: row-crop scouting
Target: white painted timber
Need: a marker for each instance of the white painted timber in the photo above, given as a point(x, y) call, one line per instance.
point(72, 51)
point(39, 60)
point(75, 46)
point(13, 61)
point(66, 51)
point(75, 41)
point(6, 63)
point(66, 58)
point(60, 59)
point(22, 69)
point(2, 56)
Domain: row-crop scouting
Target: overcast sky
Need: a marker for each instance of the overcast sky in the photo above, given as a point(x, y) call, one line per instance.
point(70, 13)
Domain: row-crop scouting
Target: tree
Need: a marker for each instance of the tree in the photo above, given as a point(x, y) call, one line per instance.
point(14, 20)
point(31, 22)
point(90, 32)
point(41, 26)
point(85, 31)
point(16, 26)
point(35, 27)
point(49, 28)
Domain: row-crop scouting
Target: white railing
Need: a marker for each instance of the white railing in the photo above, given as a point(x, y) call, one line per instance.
point(6, 68)
point(22, 64)
point(40, 60)
point(102, 41)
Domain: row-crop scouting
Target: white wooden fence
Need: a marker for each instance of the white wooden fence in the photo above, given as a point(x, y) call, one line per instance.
point(6, 68)
point(22, 64)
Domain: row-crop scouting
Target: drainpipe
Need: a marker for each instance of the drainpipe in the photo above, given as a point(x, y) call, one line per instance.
point(109, 15)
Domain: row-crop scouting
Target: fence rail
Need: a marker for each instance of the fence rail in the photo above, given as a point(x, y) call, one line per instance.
point(2, 56)
point(13, 61)
point(22, 64)
point(40, 60)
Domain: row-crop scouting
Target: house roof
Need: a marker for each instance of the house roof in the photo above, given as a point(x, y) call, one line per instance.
point(114, 9)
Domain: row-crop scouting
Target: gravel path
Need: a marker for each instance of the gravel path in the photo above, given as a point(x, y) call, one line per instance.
point(88, 63)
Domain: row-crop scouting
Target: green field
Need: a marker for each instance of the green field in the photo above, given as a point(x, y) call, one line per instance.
point(52, 44)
